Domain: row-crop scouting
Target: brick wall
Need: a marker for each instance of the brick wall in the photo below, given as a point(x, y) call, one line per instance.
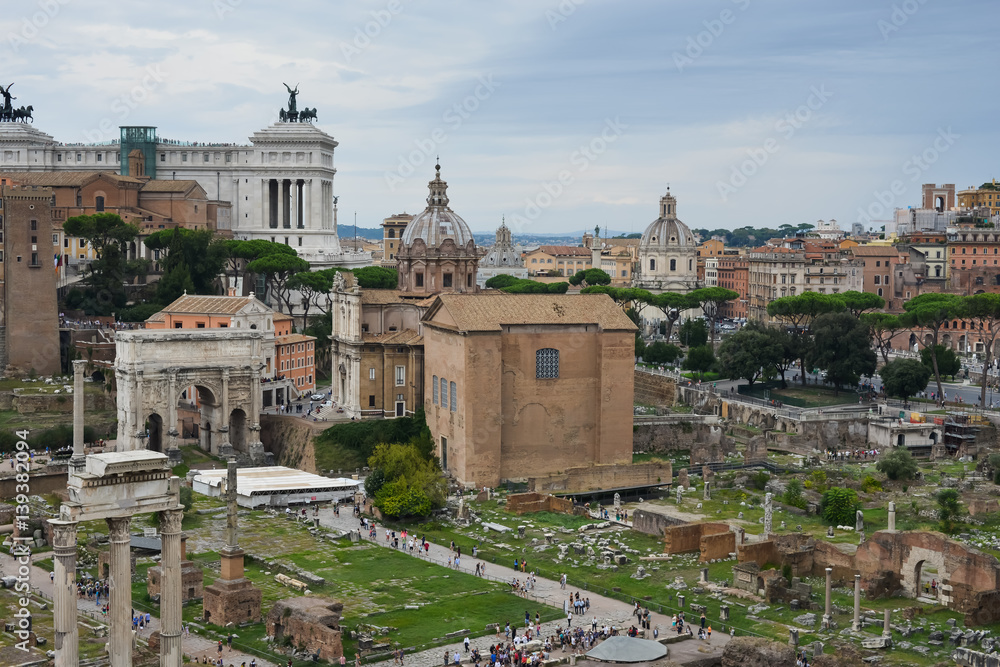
point(525, 503)
point(654, 389)
point(719, 545)
point(652, 523)
point(596, 477)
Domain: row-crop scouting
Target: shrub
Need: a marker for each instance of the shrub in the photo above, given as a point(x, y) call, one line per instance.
point(819, 481)
point(793, 495)
point(759, 480)
point(898, 464)
point(869, 484)
point(187, 498)
point(948, 508)
point(839, 506)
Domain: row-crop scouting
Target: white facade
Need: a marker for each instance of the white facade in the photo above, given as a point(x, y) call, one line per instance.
point(668, 253)
point(828, 229)
point(280, 184)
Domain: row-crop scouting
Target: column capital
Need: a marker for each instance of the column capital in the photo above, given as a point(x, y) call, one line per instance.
point(119, 528)
point(170, 521)
point(63, 534)
point(79, 365)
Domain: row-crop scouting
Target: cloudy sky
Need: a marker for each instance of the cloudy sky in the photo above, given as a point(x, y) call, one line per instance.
point(559, 115)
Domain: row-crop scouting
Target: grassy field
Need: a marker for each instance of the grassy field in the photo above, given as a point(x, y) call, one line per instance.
point(810, 396)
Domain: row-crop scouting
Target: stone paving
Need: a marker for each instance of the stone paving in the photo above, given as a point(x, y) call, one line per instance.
point(603, 609)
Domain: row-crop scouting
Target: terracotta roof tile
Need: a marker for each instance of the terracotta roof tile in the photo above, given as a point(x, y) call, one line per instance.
point(215, 305)
point(490, 311)
point(64, 178)
point(169, 186)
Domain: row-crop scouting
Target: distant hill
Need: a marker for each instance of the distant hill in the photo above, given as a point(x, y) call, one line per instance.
point(347, 231)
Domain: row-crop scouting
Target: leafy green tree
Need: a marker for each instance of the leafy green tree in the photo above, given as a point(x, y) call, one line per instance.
point(241, 253)
point(700, 359)
point(759, 480)
point(882, 327)
point(590, 277)
point(374, 482)
point(897, 464)
point(711, 299)
point(789, 344)
point(196, 254)
point(525, 286)
point(693, 333)
point(929, 312)
point(983, 313)
point(672, 305)
point(904, 377)
point(839, 506)
point(640, 346)
point(948, 362)
point(412, 486)
point(187, 498)
point(661, 353)
point(139, 312)
point(314, 288)
point(948, 508)
point(749, 352)
point(376, 277)
point(799, 312)
point(109, 237)
point(277, 270)
point(858, 302)
point(841, 347)
point(500, 281)
point(630, 298)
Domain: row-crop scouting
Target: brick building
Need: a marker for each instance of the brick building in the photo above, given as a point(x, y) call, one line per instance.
point(29, 314)
point(527, 384)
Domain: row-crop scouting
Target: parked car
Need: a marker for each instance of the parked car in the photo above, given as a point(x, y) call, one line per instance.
point(318, 397)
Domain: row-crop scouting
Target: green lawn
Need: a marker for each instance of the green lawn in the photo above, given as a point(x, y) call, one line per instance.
point(810, 396)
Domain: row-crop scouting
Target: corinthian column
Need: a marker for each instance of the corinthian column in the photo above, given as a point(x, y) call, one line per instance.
point(170, 588)
point(121, 592)
point(67, 638)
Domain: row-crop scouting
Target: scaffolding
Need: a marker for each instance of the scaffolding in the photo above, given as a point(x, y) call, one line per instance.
point(143, 138)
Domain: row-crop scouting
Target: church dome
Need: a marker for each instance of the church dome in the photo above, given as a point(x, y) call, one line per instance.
point(667, 231)
point(437, 223)
point(503, 254)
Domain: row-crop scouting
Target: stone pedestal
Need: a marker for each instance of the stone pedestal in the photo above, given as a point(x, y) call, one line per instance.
point(120, 644)
point(828, 612)
point(67, 636)
point(232, 598)
point(170, 597)
point(856, 626)
point(892, 516)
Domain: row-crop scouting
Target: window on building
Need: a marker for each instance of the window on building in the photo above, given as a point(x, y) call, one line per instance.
point(371, 400)
point(371, 373)
point(673, 265)
point(652, 264)
point(392, 234)
point(99, 204)
point(418, 278)
point(434, 390)
point(547, 363)
point(178, 325)
point(454, 397)
point(400, 376)
point(444, 392)
point(878, 280)
point(34, 225)
point(446, 280)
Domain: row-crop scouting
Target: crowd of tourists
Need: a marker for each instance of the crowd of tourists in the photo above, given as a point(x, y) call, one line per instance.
point(852, 455)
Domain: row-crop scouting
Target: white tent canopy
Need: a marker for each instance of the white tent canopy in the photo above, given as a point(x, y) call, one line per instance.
point(276, 486)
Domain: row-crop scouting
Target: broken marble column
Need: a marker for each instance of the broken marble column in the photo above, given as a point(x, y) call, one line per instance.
point(618, 501)
point(828, 615)
point(892, 515)
point(708, 493)
point(856, 626)
point(724, 612)
point(79, 455)
point(120, 646)
point(680, 494)
point(886, 630)
point(793, 637)
point(64, 595)
point(768, 513)
point(859, 525)
point(704, 575)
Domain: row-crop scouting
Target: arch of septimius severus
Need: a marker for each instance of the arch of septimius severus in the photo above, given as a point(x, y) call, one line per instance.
point(152, 368)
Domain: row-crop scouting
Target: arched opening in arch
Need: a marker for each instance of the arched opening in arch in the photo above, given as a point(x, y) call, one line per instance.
point(98, 377)
point(208, 404)
point(237, 430)
point(154, 433)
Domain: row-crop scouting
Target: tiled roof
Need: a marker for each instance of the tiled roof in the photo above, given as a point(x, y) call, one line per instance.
point(292, 338)
point(281, 317)
point(64, 178)
point(376, 297)
point(169, 186)
point(875, 251)
point(488, 312)
point(214, 305)
point(576, 251)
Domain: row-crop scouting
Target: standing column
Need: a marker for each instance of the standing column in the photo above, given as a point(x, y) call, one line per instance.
point(828, 616)
point(309, 215)
point(886, 630)
point(172, 409)
point(283, 188)
point(265, 203)
point(892, 515)
point(224, 420)
point(121, 592)
point(67, 637)
point(293, 203)
point(140, 419)
point(79, 402)
point(170, 588)
point(857, 603)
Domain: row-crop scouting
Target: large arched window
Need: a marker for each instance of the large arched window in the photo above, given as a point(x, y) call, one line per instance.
point(673, 265)
point(652, 264)
point(444, 392)
point(454, 397)
point(547, 363)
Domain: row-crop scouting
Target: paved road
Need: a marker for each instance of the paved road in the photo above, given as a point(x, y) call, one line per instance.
point(604, 609)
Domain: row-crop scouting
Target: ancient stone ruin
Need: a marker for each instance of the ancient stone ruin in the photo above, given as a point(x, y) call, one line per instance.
point(311, 624)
